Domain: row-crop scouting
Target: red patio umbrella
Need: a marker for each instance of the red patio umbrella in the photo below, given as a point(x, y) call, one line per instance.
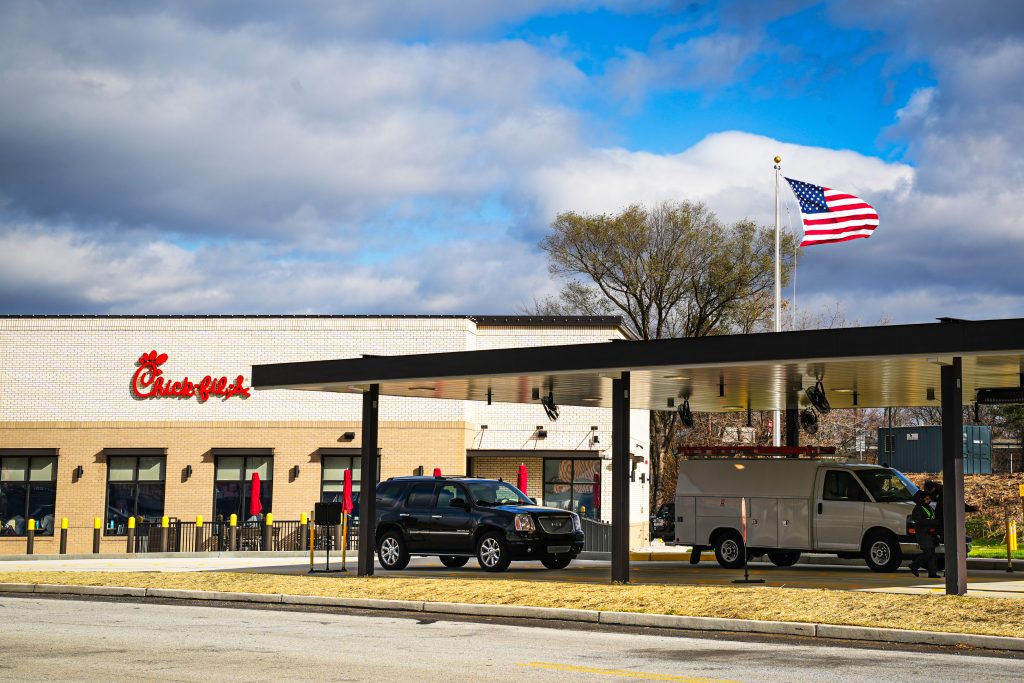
point(437, 471)
point(255, 506)
point(346, 493)
point(522, 478)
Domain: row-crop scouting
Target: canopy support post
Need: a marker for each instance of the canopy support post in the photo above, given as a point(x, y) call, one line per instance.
point(954, 534)
point(620, 479)
point(368, 481)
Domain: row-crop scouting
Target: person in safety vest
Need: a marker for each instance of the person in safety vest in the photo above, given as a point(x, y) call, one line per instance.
point(925, 525)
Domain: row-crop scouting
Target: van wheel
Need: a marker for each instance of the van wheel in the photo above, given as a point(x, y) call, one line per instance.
point(729, 550)
point(882, 552)
point(784, 558)
point(454, 562)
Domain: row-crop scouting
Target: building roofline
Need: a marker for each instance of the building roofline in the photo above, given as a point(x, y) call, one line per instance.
point(479, 319)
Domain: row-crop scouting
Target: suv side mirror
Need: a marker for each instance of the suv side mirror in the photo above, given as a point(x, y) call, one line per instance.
point(458, 503)
point(533, 500)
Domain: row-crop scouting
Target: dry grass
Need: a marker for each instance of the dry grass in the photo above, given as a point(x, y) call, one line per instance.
point(987, 616)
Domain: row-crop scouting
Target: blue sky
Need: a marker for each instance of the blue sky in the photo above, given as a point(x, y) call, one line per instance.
point(407, 157)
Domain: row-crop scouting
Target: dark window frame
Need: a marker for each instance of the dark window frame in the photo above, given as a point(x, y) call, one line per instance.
point(28, 483)
point(572, 483)
point(245, 483)
point(134, 482)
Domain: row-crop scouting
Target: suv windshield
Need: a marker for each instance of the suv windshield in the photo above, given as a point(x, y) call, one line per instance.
point(496, 493)
point(887, 486)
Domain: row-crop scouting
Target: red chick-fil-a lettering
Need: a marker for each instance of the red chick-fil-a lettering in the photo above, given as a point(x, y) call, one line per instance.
point(148, 382)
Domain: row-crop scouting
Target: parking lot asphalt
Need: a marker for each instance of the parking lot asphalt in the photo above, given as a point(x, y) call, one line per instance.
point(980, 583)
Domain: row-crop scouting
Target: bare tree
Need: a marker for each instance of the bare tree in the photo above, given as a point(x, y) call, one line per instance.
point(674, 270)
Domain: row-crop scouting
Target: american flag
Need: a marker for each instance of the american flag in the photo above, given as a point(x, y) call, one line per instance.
point(832, 216)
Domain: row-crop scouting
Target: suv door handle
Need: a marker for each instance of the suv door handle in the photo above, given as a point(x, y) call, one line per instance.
point(819, 508)
point(435, 516)
point(403, 514)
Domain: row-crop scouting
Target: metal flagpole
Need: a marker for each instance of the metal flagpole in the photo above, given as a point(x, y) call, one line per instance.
point(776, 415)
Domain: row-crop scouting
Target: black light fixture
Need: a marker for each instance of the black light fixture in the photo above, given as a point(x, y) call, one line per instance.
point(295, 472)
point(348, 436)
point(685, 416)
point(541, 432)
point(671, 402)
point(79, 471)
point(721, 385)
point(488, 396)
point(535, 394)
point(188, 472)
point(549, 406)
point(930, 393)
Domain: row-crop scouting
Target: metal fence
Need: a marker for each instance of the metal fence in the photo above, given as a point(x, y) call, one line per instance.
point(285, 535)
point(598, 535)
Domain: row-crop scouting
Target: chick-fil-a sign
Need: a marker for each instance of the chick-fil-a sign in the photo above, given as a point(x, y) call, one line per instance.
point(148, 382)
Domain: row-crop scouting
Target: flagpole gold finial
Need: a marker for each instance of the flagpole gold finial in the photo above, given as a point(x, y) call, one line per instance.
point(778, 160)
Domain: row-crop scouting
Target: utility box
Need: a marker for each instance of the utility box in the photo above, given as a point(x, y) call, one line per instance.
point(919, 449)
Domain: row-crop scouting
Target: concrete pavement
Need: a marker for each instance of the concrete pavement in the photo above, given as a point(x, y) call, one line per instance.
point(77, 640)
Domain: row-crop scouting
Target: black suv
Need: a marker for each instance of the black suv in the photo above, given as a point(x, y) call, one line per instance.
point(456, 518)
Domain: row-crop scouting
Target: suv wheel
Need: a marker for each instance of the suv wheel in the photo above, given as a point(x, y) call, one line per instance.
point(882, 552)
point(391, 552)
point(492, 553)
point(556, 561)
point(452, 561)
point(729, 550)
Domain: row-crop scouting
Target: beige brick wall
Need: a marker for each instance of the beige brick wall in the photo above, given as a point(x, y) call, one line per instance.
point(404, 446)
point(64, 383)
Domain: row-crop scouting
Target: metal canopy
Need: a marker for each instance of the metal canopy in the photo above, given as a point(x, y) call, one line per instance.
point(897, 365)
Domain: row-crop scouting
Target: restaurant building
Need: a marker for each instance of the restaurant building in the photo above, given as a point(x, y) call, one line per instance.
point(146, 416)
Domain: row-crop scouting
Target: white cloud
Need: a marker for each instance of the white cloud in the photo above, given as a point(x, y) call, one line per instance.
point(731, 172)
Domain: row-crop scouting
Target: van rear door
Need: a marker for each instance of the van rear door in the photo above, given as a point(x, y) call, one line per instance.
point(839, 511)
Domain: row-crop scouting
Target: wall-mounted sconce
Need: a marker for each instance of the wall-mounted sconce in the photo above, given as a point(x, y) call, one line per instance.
point(187, 472)
point(79, 471)
point(483, 426)
point(535, 394)
point(542, 433)
point(930, 393)
point(348, 436)
point(295, 472)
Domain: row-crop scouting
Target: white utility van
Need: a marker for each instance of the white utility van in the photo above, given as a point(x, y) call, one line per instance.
point(795, 506)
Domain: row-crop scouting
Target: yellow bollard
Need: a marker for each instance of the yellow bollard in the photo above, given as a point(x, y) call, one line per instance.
point(165, 521)
point(303, 519)
point(268, 527)
point(1011, 542)
point(31, 537)
point(97, 524)
point(233, 532)
point(130, 537)
point(233, 520)
point(312, 543)
point(197, 544)
point(63, 535)
point(165, 534)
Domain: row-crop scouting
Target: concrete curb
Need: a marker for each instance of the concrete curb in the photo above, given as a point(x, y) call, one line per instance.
point(165, 556)
point(789, 628)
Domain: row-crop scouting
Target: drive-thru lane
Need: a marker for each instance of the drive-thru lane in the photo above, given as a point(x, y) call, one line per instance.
point(53, 639)
point(981, 583)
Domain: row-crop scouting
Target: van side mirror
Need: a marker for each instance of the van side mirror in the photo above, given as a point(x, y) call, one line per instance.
point(458, 503)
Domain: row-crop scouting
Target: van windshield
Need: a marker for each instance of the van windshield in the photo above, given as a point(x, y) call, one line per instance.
point(887, 485)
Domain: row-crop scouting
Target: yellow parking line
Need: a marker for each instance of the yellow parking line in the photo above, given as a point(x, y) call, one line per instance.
point(621, 673)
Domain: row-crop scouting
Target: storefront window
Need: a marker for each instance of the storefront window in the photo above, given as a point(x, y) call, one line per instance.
point(28, 490)
point(135, 488)
point(232, 488)
point(332, 482)
point(573, 484)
